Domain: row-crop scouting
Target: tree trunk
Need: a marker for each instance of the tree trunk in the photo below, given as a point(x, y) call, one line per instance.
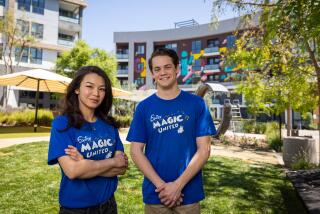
point(289, 123)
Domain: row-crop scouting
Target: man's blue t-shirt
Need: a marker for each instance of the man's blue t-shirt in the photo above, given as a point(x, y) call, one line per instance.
point(95, 141)
point(169, 129)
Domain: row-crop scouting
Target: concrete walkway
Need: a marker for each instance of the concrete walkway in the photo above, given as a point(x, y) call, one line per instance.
point(216, 150)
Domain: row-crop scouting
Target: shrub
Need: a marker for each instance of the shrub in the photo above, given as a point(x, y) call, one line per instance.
point(273, 137)
point(301, 162)
point(26, 117)
point(248, 126)
point(124, 121)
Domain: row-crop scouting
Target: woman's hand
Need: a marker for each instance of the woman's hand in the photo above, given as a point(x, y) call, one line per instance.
point(73, 153)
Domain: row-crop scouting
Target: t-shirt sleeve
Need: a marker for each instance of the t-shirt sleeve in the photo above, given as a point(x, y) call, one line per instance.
point(137, 131)
point(58, 140)
point(119, 145)
point(205, 125)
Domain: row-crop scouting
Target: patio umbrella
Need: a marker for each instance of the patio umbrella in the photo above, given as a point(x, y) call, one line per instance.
point(45, 81)
point(138, 95)
point(38, 80)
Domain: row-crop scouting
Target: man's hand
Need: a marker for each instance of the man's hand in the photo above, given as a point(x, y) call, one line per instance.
point(170, 194)
point(120, 160)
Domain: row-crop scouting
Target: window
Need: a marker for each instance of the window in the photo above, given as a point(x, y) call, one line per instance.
point(38, 6)
point(23, 27)
point(37, 30)
point(139, 81)
point(172, 46)
point(213, 43)
point(140, 67)
point(196, 46)
point(35, 55)
point(23, 55)
point(65, 37)
point(231, 40)
point(24, 5)
point(3, 2)
point(212, 61)
point(140, 49)
point(66, 13)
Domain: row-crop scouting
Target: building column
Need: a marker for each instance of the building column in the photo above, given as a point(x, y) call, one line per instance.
point(149, 80)
point(131, 63)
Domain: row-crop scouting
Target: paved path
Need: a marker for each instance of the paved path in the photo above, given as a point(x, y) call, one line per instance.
point(226, 151)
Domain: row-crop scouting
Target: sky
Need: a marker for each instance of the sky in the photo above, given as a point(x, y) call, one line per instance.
point(103, 17)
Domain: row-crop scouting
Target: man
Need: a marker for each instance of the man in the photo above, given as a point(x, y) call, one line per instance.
point(174, 127)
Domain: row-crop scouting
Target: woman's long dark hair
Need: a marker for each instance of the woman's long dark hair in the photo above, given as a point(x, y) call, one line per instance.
point(71, 103)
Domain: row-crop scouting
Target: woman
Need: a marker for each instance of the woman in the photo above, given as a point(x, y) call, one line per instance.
point(86, 144)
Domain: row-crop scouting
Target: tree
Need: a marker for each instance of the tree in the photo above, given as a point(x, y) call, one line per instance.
point(16, 38)
point(81, 55)
point(284, 47)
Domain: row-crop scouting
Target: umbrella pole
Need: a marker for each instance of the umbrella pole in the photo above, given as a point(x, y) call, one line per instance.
point(35, 123)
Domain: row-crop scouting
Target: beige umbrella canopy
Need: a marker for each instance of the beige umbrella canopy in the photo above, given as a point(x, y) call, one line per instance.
point(138, 95)
point(46, 81)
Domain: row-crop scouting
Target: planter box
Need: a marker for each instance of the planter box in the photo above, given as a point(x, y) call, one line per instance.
point(295, 147)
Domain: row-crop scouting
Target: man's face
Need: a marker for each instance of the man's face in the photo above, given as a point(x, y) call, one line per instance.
point(164, 73)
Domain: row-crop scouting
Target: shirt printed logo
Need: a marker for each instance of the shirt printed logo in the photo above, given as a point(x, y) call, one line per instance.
point(168, 122)
point(91, 148)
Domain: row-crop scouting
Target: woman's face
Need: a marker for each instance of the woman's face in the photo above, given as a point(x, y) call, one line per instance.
point(91, 91)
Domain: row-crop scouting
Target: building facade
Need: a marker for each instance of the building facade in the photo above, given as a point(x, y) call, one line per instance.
point(200, 49)
point(55, 25)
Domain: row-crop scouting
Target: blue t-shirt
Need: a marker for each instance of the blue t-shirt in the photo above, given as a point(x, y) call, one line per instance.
point(169, 129)
point(95, 141)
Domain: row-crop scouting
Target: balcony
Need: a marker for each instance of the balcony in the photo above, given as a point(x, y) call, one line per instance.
point(196, 68)
point(122, 73)
point(69, 19)
point(210, 69)
point(64, 42)
point(211, 51)
point(122, 56)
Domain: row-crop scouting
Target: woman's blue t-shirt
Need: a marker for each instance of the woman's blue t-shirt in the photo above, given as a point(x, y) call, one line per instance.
point(95, 141)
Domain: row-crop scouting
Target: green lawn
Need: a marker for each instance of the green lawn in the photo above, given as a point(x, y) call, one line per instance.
point(16, 132)
point(28, 185)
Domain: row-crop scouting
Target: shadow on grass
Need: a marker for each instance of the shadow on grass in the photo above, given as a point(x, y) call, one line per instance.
point(233, 186)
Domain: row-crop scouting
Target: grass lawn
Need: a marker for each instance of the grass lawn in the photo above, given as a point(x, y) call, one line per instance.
point(28, 185)
point(16, 132)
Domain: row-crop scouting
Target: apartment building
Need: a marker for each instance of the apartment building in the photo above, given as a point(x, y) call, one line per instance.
point(200, 49)
point(55, 25)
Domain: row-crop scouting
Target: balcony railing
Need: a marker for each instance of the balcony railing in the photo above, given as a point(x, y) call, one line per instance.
point(69, 19)
point(211, 50)
point(65, 42)
point(122, 56)
point(211, 67)
point(196, 68)
point(122, 71)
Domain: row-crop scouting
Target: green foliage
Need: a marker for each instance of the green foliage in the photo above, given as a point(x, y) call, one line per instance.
point(124, 121)
point(273, 137)
point(224, 140)
point(279, 54)
point(29, 185)
point(251, 126)
point(301, 163)
point(81, 55)
point(26, 117)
